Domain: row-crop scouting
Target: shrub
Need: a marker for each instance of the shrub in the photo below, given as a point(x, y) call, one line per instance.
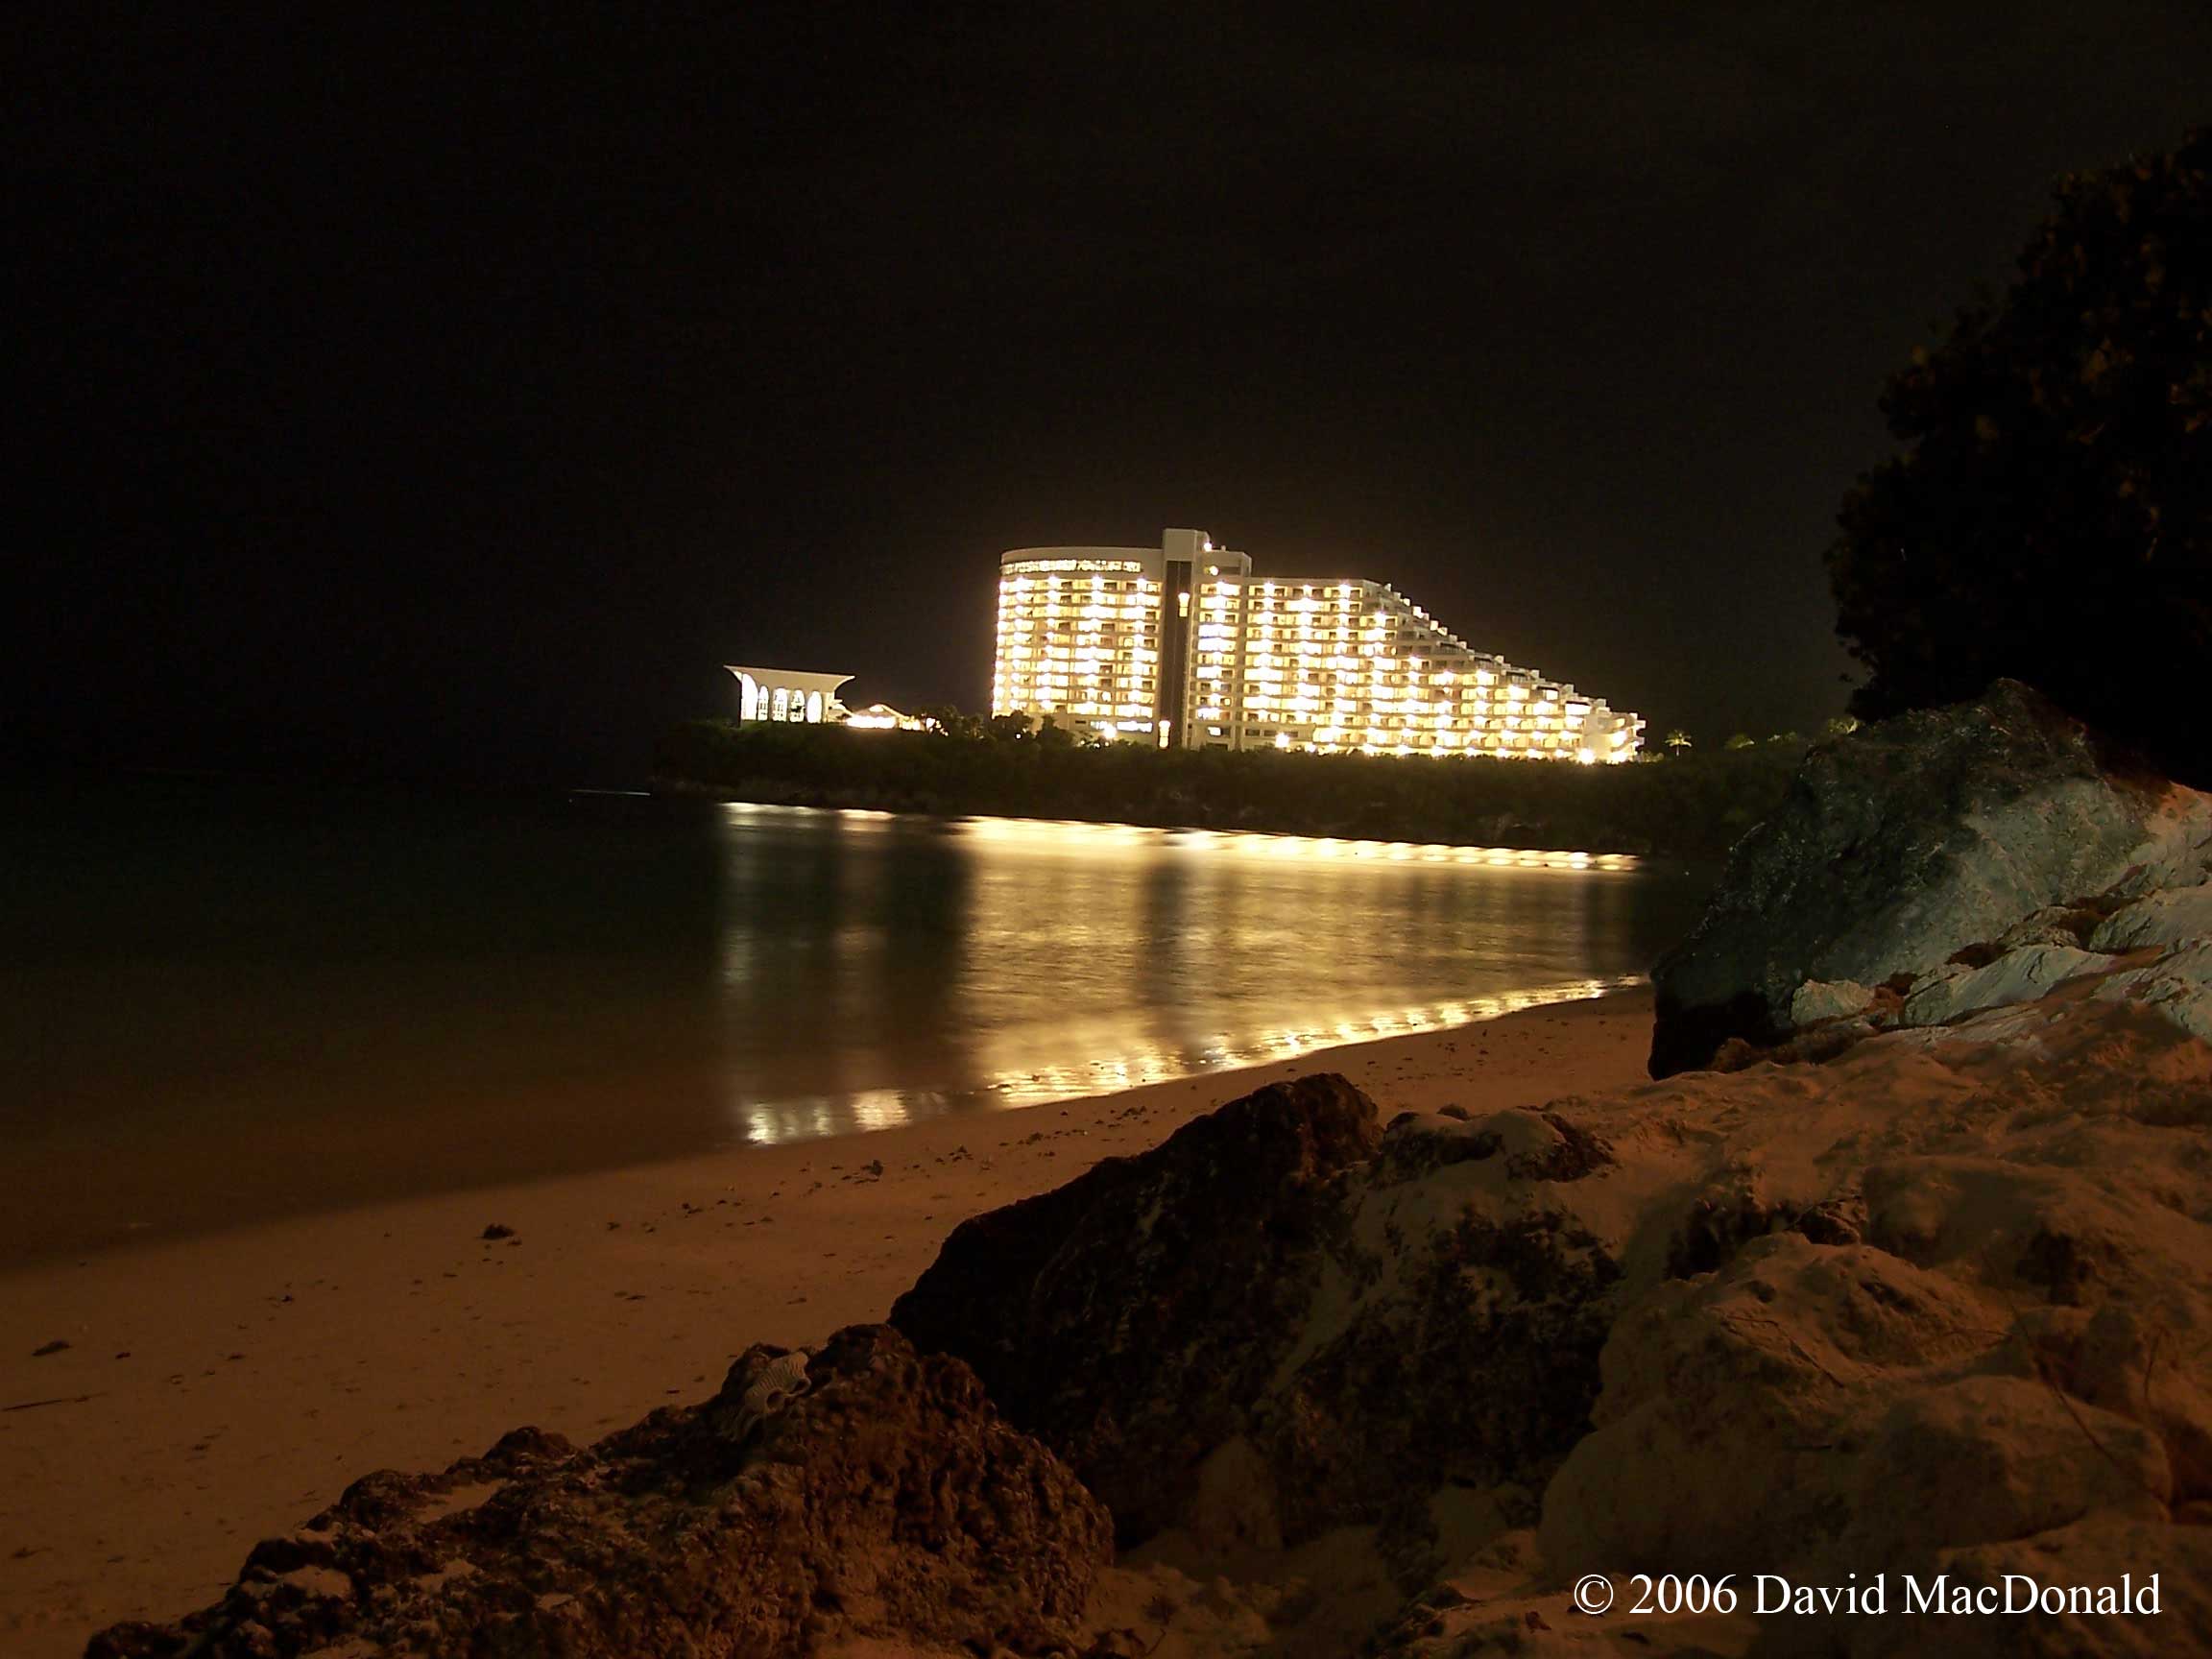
point(2050, 516)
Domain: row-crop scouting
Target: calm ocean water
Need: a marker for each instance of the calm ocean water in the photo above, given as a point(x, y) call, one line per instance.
point(223, 1003)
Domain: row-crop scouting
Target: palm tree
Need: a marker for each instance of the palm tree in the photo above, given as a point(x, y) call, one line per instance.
point(1678, 740)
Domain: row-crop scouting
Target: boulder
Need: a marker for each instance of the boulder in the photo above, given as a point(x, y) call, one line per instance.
point(1285, 1320)
point(1730, 1426)
point(1131, 1317)
point(1900, 845)
point(868, 1495)
point(1817, 999)
point(1986, 1458)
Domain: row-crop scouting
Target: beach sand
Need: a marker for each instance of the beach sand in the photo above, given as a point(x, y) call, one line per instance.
point(219, 1389)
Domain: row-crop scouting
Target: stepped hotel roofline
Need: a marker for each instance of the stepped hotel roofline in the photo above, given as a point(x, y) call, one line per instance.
point(1180, 645)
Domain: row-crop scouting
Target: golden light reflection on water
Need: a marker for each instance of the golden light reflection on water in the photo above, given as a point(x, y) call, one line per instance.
point(876, 969)
point(1062, 835)
point(769, 1122)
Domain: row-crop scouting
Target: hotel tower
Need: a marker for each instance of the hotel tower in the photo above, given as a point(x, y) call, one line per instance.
point(1182, 645)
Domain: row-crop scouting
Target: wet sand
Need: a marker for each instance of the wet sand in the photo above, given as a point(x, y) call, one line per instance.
point(221, 1388)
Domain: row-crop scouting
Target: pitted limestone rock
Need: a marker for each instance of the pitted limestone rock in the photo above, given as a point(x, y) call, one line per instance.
point(763, 1382)
point(886, 1506)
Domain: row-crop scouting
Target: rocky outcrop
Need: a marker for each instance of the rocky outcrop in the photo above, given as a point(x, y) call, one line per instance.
point(2171, 917)
point(1337, 1320)
point(2137, 942)
point(862, 1492)
point(1131, 1317)
point(1907, 841)
point(1985, 1358)
point(2017, 976)
point(1816, 1001)
point(1937, 1306)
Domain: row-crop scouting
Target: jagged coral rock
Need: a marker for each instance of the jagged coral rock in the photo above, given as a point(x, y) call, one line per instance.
point(885, 1499)
point(1132, 1318)
point(1365, 1317)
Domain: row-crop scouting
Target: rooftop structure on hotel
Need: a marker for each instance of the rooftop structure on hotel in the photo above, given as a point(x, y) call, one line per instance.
point(1182, 645)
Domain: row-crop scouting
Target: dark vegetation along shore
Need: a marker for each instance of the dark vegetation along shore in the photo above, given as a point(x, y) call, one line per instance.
point(1695, 806)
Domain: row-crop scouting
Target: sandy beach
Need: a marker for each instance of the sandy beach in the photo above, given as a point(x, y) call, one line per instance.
point(221, 1388)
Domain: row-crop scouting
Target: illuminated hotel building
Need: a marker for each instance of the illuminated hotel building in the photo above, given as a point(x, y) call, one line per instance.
point(1182, 645)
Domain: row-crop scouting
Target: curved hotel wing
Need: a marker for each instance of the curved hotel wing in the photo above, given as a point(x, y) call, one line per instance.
point(1183, 645)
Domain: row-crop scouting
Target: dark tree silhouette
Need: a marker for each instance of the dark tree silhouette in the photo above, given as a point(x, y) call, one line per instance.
point(2051, 515)
point(952, 722)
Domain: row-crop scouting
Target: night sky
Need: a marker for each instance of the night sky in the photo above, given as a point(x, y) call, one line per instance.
point(416, 395)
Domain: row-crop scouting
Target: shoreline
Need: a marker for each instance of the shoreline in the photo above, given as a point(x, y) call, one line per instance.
point(683, 792)
point(33, 1241)
point(220, 1389)
point(1688, 807)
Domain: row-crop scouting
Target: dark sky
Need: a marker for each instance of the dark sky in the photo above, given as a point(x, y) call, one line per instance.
point(419, 392)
